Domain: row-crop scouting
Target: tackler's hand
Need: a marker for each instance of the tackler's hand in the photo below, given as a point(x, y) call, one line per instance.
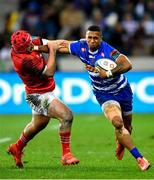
point(51, 45)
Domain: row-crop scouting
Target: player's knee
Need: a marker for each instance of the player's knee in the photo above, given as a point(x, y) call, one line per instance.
point(68, 118)
point(117, 122)
point(67, 115)
point(129, 128)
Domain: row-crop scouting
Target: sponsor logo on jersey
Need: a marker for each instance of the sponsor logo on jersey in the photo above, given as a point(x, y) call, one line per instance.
point(102, 54)
point(83, 49)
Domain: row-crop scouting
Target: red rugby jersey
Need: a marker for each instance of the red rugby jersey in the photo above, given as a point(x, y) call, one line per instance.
point(29, 68)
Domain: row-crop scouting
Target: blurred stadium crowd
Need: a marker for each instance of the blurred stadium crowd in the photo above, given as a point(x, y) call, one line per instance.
point(128, 25)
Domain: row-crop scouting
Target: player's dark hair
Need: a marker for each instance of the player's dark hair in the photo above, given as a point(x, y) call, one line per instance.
point(94, 28)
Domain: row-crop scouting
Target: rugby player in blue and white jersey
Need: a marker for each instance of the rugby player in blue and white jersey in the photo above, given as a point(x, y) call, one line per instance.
point(111, 88)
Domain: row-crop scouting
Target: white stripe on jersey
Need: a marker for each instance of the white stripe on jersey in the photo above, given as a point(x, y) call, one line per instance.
point(93, 74)
point(106, 88)
point(120, 79)
point(104, 81)
point(123, 85)
point(113, 87)
point(98, 82)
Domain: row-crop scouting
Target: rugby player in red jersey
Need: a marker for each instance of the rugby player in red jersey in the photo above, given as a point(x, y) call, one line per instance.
point(37, 75)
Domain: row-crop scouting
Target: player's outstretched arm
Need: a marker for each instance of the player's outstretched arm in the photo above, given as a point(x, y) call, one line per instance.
point(61, 46)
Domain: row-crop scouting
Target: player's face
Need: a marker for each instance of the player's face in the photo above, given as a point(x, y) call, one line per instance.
point(93, 39)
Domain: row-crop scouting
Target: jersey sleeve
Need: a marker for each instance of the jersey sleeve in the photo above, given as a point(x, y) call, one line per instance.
point(74, 48)
point(39, 41)
point(33, 65)
point(112, 52)
point(45, 41)
point(115, 54)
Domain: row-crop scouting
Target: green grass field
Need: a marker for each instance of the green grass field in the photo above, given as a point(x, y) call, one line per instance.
point(92, 142)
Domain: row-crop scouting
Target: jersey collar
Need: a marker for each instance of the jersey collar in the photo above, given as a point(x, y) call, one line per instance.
point(95, 52)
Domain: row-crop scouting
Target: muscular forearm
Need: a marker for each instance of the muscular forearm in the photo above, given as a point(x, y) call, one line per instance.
point(120, 69)
point(60, 46)
point(123, 65)
point(42, 48)
point(51, 64)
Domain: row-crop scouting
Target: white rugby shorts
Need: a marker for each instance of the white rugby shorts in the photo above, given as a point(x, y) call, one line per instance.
point(40, 102)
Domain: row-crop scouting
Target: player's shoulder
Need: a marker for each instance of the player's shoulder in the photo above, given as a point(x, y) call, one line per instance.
point(83, 41)
point(105, 44)
point(16, 55)
point(20, 58)
point(79, 45)
point(79, 42)
point(109, 47)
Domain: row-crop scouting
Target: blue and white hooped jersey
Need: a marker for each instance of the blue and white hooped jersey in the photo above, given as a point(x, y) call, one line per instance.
point(109, 85)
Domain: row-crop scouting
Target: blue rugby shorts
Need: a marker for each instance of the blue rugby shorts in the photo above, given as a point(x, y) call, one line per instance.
point(124, 97)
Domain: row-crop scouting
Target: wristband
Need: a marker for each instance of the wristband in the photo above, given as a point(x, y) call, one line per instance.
point(36, 48)
point(109, 73)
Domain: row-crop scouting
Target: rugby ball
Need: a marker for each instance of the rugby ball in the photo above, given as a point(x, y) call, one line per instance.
point(106, 64)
